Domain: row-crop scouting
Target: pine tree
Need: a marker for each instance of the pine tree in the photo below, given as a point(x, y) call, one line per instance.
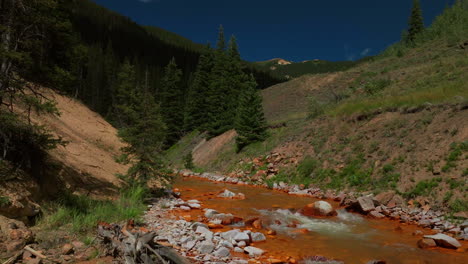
point(141, 126)
point(218, 91)
point(171, 102)
point(251, 125)
point(197, 103)
point(416, 22)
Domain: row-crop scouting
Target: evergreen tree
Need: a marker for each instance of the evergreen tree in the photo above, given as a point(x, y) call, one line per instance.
point(141, 128)
point(171, 102)
point(218, 114)
point(416, 22)
point(251, 125)
point(197, 103)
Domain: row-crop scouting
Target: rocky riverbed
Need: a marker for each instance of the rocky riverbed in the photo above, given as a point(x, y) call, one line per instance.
point(196, 240)
point(384, 205)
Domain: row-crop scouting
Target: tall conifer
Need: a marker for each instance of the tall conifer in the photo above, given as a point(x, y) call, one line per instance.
point(251, 125)
point(171, 102)
point(197, 102)
point(416, 22)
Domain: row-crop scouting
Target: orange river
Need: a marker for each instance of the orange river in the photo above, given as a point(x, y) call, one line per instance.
point(349, 237)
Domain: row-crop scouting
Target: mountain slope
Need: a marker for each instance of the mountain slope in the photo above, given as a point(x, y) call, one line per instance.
point(395, 123)
point(289, 69)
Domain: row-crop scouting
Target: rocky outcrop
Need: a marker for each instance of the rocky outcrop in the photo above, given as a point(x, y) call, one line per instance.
point(14, 235)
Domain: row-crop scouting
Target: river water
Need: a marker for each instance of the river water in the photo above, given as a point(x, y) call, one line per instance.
point(348, 237)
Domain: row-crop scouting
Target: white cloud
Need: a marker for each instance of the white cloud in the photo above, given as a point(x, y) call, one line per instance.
point(365, 52)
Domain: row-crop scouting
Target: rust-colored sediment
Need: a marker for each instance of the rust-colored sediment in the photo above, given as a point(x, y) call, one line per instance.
point(369, 239)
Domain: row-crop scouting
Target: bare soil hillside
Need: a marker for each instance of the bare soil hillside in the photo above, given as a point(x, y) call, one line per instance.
point(85, 165)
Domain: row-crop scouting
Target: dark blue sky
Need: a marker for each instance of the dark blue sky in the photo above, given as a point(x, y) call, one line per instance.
point(290, 29)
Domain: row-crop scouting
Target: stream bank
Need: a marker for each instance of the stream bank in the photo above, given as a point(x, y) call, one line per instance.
point(348, 237)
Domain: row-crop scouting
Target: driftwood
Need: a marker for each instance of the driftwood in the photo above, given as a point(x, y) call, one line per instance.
point(133, 246)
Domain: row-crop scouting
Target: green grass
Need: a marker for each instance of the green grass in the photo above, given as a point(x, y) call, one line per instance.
point(459, 206)
point(423, 188)
point(80, 214)
point(456, 151)
point(4, 201)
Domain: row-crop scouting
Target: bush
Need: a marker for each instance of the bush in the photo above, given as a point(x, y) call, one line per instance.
point(315, 108)
point(188, 161)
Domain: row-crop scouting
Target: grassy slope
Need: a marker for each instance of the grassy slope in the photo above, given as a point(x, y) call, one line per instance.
point(411, 136)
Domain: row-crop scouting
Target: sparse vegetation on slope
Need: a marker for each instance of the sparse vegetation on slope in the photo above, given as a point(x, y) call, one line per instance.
point(396, 122)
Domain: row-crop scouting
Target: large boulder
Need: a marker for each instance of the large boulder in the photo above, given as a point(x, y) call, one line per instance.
point(384, 197)
point(365, 204)
point(445, 241)
point(319, 208)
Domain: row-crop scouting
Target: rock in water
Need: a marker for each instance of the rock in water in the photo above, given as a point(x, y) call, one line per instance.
point(445, 241)
point(319, 208)
point(426, 243)
point(227, 194)
point(210, 213)
point(253, 251)
point(258, 237)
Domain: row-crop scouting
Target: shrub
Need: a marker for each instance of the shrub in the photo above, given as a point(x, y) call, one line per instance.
point(188, 161)
point(459, 205)
point(315, 108)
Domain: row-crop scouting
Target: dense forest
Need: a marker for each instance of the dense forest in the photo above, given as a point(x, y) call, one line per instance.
point(124, 71)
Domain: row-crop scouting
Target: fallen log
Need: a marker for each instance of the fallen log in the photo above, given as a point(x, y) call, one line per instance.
point(134, 246)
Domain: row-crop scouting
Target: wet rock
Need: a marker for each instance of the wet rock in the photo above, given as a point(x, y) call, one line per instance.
point(226, 219)
point(376, 214)
point(443, 240)
point(418, 233)
point(227, 194)
point(319, 208)
point(67, 249)
point(426, 243)
point(258, 237)
point(206, 247)
point(253, 251)
point(210, 213)
point(194, 205)
point(222, 252)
